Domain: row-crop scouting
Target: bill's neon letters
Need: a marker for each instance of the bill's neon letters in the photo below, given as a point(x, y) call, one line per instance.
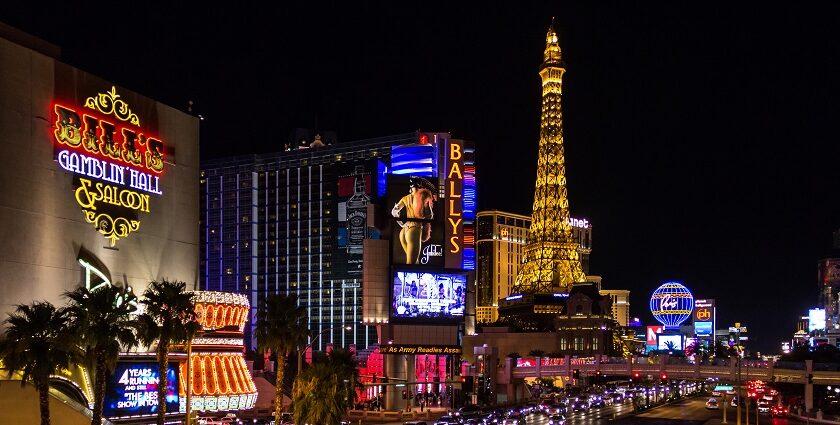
point(117, 165)
point(96, 135)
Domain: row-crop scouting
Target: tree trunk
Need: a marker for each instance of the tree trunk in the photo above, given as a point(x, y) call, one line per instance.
point(44, 400)
point(278, 387)
point(98, 389)
point(163, 363)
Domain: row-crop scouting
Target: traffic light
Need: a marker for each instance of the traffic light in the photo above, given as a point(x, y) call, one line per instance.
point(576, 374)
point(405, 394)
point(635, 377)
point(467, 384)
point(664, 377)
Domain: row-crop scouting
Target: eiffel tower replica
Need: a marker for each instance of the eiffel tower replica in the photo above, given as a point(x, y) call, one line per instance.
point(552, 264)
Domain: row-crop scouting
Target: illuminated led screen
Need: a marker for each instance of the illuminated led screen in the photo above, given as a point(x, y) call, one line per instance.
point(816, 319)
point(669, 342)
point(703, 329)
point(429, 295)
point(132, 390)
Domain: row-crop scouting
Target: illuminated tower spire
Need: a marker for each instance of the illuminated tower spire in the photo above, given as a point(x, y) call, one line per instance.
point(551, 258)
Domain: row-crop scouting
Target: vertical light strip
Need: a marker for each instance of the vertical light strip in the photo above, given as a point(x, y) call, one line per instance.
point(355, 310)
point(238, 223)
point(321, 244)
point(206, 233)
point(309, 255)
point(221, 228)
point(288, 234)
point(277, 224)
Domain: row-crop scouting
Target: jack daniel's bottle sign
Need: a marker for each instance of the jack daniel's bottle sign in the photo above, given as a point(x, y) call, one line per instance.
point(357, 216)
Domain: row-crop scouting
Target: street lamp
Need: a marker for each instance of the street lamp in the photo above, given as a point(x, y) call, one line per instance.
point(300, 352)
point(738, 393)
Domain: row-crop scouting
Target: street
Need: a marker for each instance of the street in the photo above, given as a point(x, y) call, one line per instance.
point(686, 412)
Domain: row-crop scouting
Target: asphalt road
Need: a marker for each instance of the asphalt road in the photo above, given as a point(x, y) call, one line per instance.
point(686, 412)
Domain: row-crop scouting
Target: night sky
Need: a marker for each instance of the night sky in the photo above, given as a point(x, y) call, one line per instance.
point(701, 142)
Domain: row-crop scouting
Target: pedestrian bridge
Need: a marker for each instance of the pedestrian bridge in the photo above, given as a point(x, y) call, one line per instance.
point(793, 372)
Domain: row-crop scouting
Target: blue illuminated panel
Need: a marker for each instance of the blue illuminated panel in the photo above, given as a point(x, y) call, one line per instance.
point(416, 160)
point(469, 192)
point(381, 179)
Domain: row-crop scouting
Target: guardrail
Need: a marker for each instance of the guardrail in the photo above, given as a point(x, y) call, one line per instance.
point(824, 374)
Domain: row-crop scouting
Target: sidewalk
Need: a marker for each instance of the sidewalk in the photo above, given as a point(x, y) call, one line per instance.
point(371, 416)
point(832, 419)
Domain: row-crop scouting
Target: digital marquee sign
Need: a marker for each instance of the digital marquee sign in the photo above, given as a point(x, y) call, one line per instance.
point(132, 391)
point(652, 332)
point(116, 163)
point(704, 329)
point(418, 222)
point(429, 295)
point(669, 342)
point(420, 349)
point(704, 317)
point(816, 319)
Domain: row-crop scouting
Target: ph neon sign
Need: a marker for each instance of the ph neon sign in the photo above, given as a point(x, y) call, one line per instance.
point(117, 166)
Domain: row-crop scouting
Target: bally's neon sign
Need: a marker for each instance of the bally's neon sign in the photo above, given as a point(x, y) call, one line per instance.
point(455, 208)
point(117, 165)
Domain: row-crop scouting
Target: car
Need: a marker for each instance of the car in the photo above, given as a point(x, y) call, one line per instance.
point(467, 412)
point(778, 411)
point(597, 401)
point(763, 406)
point(580, 405)
point(513, 419)
point(556, 420)
point(447, 420)
point(415, 423)
point(712, 404)
point(556, 409)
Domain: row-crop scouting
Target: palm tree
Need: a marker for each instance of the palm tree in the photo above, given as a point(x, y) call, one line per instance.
point(36, 342)
point(169, 318)
point(281, 327)
point(317, 394)
point(536, 353)
point(101, 318)
point(344, 366)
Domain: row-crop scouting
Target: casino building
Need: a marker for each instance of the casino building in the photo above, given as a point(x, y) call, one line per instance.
point(500, 238)
point(93, 176)
point(297, 222)
point(375, 234)
point(99, 186)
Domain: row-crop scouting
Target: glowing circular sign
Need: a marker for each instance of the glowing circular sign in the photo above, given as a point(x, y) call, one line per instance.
point(671, 304)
